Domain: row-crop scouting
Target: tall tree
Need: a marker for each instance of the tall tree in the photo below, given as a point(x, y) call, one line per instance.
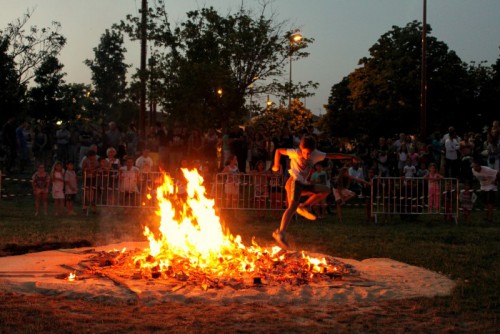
point(209, 52)
point(76, 101)
point(31, 46)
point(45, 97)
point(109, 74)
point(11, 91)
point(384, 92)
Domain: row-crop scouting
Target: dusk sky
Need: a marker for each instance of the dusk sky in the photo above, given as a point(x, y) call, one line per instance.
point(343, 30)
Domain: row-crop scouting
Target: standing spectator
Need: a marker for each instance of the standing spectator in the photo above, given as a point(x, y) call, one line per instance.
point(381, 153)
point(10, 141)
point(341, 190)
point(41, 182)
point(433, 188)
point(238, 146)
point(112, 160)
point(319, 177)
point(210, 142)
point(258, 149)
point(176, 145)
point(261, 184)
point(194, 145)
point(452, 147)
point(409, 170)
point(113, 136)
point(57, 179)
point(231, 187)
point(70, 187)
point(144, 162)
point(129, 183)
point(162, 139)
point(356, 172)
point(28, 135)
point(131, 140)
point(283, 140)
point(402, 157)
point(487, 179)
point(225, 147)
point(22, 146)
point(89, 170)
point(40, 143)
point(436, 149)
point(74, 143)
point(466, 154)
point(86, 138)
point(63, 137)
point(493, 149)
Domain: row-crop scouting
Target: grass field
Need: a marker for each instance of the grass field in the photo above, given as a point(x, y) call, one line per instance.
point(467, 253)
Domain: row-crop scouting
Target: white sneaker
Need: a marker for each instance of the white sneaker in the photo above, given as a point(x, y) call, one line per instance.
point(304, 213)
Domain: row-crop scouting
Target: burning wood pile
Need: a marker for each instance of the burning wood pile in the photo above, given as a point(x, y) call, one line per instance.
point(190, 247)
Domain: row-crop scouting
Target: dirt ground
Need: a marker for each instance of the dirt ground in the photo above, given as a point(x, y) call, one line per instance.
point(44, 314)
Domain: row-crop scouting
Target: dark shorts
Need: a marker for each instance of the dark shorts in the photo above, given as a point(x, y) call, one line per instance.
point(488, 197)
point(295, 189)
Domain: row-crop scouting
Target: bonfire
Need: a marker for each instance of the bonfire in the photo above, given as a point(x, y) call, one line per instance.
point(191, 245)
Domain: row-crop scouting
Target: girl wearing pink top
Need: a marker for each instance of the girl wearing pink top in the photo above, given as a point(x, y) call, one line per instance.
point(433, 187)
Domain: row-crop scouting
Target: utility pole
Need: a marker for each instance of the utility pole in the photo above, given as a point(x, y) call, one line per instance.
point(423, 76)
point(142, 107)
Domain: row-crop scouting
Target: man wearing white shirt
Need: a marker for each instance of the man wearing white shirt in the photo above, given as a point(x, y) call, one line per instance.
point(488, 179)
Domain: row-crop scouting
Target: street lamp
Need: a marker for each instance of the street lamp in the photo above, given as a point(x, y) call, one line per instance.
point(295, 38)
point(269, 103)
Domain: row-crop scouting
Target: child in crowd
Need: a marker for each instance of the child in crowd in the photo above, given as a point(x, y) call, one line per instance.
point(319, 176)
point(409, 170)
point(231, 187)
point(41, 182)
point(70, 187)
point(128, 182)
point(260, 184)
point(467, 199)
point(144, 162)
point(433, 188)
point(302, 160)
point(57, 179)
point(341, 190)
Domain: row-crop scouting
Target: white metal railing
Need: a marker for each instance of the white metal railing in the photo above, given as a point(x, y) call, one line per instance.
point(415, 196)
point(258, 191)
point(230, 191)
point(113, 189)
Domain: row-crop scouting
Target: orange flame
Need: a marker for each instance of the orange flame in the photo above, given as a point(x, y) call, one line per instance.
point(191, 236)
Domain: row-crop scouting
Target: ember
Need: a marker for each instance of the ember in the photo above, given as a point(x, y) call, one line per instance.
point(191, 246)
point(71, 277)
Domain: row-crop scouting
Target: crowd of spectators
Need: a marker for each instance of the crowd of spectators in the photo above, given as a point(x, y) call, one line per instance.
point(25, 146)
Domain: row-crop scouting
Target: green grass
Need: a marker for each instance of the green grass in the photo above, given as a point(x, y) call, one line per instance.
point(467, 253)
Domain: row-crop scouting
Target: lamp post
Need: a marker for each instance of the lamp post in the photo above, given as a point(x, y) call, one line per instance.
point(295, 38)
point(423, 75)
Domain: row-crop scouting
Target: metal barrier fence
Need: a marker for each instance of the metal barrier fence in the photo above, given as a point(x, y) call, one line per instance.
point(257, 191)
point(120, 189)
point(389, 195)
point(415, 196)
point(230, 191)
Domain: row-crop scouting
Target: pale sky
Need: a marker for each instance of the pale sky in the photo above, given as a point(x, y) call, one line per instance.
point(343, 30)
